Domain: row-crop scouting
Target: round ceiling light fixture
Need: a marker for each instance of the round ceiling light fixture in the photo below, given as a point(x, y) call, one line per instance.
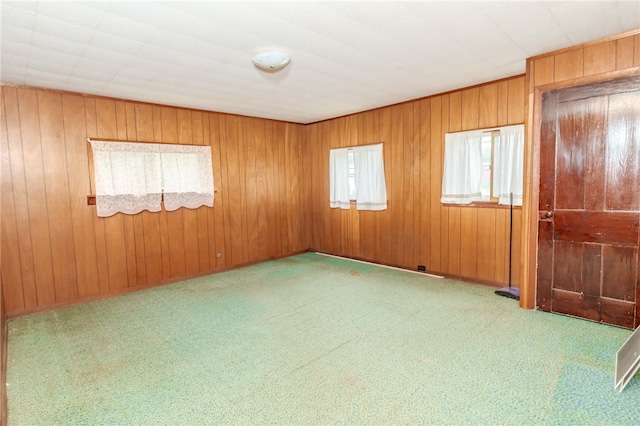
point(271, 61)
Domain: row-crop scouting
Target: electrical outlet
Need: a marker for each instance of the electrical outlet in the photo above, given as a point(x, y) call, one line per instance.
point(422, 268)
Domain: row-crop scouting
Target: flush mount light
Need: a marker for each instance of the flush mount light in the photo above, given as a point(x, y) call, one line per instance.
point(271, 61)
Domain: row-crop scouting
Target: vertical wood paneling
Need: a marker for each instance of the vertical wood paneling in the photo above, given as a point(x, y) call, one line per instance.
point(470, 108)
point(56, 250)
point(292, 172)
point(272, 190)
point(395, 190)
point(386, 223)
point(58, 202)
point(36, 195)
point(488, 106)
point(600, 58)
point(455, 112)
point(469, 242)
point(217, 239)
point(444, 215)
point(11, 275)
point(454, 246)
point(624, 53)
point(436, 162)
point(24, 296)
point(262, 194)
point(101, 246)
point(516, 101)
point(362, 127)
point(247, 181)
point(503, 103)
point(486, 237)
point(233, 181)
point(410, 232)
point(227, 127)
point(281, 178)
point(569, 65)
point(544, 71)
point(417, 182)
point(516, 247)
point(502, 245)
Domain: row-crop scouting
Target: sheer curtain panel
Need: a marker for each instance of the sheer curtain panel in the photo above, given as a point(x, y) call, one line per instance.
point(462, 167)
point(371, 189)
point(187, 176)
point(509, 164)
point(127, 177)
point(339, 178)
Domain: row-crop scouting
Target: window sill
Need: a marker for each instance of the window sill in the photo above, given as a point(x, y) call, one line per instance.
point(482, 205)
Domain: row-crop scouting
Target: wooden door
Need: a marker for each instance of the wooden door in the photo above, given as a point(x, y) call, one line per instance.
point(589, 208)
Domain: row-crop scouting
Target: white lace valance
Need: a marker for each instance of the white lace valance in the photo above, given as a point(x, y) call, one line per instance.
point(132, 177)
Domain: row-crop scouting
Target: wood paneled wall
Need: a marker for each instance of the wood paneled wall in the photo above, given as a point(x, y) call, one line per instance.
point(416, 229)
point(587, 63)
point(272, 187)
point(56, 251)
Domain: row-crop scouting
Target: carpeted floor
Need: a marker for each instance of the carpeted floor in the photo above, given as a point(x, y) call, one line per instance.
point(312, 339)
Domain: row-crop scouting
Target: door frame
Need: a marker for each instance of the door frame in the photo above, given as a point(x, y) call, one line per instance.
point(529, 249)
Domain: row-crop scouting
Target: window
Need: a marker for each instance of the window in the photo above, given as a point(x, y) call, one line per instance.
point(486, 183)
point(484, 165)
point(357, 173)
point(132, 177)
point(352, 175)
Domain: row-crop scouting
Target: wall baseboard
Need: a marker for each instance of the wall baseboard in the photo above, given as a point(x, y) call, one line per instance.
point(430, 273)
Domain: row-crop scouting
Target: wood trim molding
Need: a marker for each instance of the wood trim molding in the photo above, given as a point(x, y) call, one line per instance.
point(597, 78)
point(587, 44)
point(530, 203)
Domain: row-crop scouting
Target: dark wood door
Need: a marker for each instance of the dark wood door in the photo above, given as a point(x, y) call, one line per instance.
point(589, 209)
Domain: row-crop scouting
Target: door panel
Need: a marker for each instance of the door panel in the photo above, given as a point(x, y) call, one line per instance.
point(623, 153)
point(619, 272)
point(581, 143)
point(589, 202)
point(596, 226)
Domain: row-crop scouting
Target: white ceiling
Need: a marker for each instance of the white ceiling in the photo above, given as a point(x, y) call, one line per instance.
point(347, 56)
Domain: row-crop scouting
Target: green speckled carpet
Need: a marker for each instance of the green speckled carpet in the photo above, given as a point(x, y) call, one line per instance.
point(312, 339)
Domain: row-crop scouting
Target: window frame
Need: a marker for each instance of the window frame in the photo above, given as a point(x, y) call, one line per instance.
point(494, 200)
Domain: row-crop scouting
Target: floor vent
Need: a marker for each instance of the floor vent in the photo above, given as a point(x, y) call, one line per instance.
point(628, 360)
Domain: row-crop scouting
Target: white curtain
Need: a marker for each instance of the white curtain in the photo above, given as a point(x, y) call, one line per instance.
point(508, 164)
point(132, 177)
point(339, 178)
point(371, 189)
point(462, 167)
point(127, 177)
point(187, 176)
